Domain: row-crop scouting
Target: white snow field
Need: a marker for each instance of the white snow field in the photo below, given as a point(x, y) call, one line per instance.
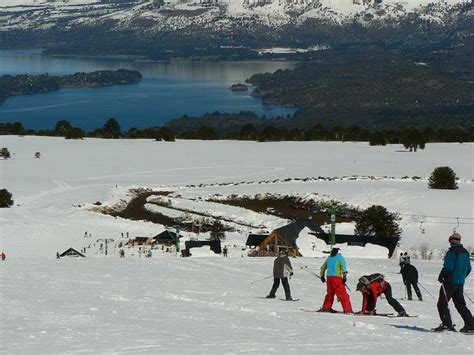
point(206, 303)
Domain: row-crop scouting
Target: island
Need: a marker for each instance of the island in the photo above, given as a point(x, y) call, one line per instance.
point(12, 85)
point(239, 87)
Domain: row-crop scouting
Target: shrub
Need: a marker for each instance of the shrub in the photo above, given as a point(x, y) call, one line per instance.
point(217, 231)
point(444, 178)
point(74, 133)
point(5, 198)
point(5, 153)
point(378, 221)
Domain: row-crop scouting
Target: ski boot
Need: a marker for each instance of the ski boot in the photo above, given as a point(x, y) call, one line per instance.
point(442, 328)
point(467, 329)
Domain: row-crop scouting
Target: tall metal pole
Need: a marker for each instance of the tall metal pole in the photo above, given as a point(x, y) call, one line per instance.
point(177, 241)
point(333, 226)
point(106, 241)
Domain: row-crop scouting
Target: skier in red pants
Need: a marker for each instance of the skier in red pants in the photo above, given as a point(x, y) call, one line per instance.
point(336, 280)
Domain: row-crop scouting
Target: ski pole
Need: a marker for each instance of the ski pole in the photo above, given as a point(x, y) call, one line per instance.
point(265, 278)
point(445, 294)
point(469, 298)
point(310, 272)
point(426, 290)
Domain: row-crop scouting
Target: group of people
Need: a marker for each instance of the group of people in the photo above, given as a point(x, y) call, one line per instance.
point(456, 268)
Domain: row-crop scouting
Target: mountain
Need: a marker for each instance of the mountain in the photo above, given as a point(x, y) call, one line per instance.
point(226, 28)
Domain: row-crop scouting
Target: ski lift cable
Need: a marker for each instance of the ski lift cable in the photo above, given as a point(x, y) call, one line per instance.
point(461, 223)
point(426, 216)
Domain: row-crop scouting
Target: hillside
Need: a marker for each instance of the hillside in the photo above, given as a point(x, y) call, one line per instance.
point(376, 88)
point(227, 28)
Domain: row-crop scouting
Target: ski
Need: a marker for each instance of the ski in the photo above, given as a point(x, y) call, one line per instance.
point(293, 300)
point(320, 311)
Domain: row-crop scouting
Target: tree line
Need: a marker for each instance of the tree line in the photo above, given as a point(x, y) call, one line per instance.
point(411, 138)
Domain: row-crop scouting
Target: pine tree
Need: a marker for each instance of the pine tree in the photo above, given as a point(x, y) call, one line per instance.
point(443, 177)
point(217, 230)
point(378, 221)
point(5, 198)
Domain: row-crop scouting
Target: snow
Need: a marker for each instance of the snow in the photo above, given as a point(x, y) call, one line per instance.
point(222, 17)
point(54, 195)
point(207, 303)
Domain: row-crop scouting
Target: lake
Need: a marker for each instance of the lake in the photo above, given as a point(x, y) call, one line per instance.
point(167, 90)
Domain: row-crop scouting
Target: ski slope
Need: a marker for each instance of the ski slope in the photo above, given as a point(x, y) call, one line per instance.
point(205, 306)
point(206, 303)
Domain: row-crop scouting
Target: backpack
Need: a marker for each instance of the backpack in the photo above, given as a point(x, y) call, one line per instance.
point(368, 279)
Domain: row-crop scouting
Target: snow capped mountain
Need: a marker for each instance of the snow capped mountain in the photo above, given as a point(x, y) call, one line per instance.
point(156, 15)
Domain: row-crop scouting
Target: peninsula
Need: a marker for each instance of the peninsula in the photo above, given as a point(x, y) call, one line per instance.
point(35, 84)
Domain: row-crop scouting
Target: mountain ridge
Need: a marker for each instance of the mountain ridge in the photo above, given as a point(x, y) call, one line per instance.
point(240, 27)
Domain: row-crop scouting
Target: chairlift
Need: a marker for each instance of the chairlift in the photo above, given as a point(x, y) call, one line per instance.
point(422, 230)
point(455, 228)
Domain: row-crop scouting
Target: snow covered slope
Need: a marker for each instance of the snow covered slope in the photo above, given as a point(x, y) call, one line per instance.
point(168, 305)
point(208, 305)
point(53, 195)
point(155, 15)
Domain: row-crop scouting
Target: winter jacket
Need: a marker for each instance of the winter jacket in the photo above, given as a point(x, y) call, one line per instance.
point(456, 266)
point(409, 274)
point(282, 267)
point(335, 266)
point(374, 290)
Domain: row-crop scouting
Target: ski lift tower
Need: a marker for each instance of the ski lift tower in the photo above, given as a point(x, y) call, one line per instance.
point(177, 239)
point(106, 242)
point(333, 226)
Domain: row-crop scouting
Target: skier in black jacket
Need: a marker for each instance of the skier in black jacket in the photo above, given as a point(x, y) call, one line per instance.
point(410, 278)
point(281, 270)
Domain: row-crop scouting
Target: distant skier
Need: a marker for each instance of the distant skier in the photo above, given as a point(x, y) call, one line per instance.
point(58, 256)
point(456, 268)
point(373, 286)
point(336, 268)
point(225, 251)
point(281, 270)
point(410, 278)
point(122, 253)
point(404, 260)
point(3, 256)
point(401, 262)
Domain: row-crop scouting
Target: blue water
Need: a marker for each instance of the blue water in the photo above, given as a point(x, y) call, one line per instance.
point(168, 90)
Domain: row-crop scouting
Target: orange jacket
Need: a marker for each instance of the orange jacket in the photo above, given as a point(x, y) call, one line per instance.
point(369, 298)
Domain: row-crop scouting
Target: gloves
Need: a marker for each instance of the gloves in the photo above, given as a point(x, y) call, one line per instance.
point(444, 275)
point(344, 278)
point(323, 280)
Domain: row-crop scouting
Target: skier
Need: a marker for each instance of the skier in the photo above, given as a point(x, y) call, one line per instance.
point(57, 255)
point(372, 287)
point(281, 270)
point(456, 268)
point(225, 251)
point(410, 278)
point(336, 282)
point(3, 256)
point(401, 262)
point(406, 258)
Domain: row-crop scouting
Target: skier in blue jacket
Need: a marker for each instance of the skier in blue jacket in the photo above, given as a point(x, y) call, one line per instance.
point(456, 268)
